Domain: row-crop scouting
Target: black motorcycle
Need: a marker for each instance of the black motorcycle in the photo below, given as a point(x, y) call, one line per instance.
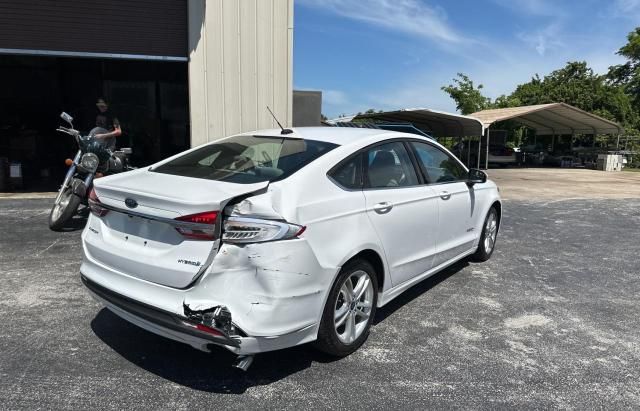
point(93, 160)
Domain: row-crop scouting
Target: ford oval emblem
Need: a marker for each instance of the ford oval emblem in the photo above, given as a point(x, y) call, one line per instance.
point(130, 202)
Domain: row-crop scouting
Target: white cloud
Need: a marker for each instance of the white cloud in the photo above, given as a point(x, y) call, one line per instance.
point(408, 16)
point(499, 76)
point(544, 39)
point(543, 44)
point(534, 7)
point(627, 6)
point(335, 97)
point(626, 9)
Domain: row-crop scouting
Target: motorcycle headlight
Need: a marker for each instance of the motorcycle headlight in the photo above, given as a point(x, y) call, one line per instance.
point(89, 162)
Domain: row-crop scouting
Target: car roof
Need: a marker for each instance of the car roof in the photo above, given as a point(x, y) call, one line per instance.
point(336, 135)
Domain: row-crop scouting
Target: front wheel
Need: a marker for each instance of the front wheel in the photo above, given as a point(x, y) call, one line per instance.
point(488, 237)
point(349, 310)
point(63, 209)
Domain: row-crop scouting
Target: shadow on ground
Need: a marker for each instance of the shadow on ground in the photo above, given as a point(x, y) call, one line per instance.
point(213, 372)
point(417, 290)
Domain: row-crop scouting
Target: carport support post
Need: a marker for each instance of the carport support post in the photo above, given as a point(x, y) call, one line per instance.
point(486, 159)
point(479, 151)
point(468, 151)
point(618, 141)
point(573, 137)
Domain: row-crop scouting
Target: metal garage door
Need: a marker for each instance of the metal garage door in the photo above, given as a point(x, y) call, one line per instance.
point(111, 28)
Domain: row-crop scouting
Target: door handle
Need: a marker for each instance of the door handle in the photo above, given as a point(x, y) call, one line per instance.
point(445, 195)
point(382, 208)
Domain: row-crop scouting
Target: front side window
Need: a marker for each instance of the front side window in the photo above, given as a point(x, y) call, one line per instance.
point(247, 159)
point(389, 165)
point(440, 166)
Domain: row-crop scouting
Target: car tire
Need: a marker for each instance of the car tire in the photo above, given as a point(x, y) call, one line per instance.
point(488, 237)
point(339, 340)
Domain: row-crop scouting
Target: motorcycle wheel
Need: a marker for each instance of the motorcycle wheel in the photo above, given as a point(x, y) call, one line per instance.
point(63, 209)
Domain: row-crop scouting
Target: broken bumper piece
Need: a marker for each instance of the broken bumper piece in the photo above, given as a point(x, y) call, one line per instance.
point(211, 319)
point(212, 325)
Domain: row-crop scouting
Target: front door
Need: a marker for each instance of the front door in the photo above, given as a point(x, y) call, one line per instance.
point(403, 212)
point(447, 177)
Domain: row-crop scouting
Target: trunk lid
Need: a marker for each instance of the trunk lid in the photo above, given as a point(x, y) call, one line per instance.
point(140, 239)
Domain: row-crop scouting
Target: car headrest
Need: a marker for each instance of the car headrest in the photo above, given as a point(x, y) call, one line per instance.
point(383, 159)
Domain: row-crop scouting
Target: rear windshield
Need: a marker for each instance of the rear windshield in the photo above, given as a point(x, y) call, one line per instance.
point(247, 159)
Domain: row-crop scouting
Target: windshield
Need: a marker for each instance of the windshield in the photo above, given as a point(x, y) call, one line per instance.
point(247, 159)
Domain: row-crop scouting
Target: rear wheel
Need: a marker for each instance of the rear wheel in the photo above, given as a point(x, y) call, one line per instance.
point(63, 209)
point(488, 237)
point(349, 310)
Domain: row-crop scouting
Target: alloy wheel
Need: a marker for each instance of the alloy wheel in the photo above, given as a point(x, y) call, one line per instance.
point(490, 232)
point(353, 306)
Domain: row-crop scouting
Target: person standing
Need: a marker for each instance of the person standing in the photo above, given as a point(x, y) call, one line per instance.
point(108, 122)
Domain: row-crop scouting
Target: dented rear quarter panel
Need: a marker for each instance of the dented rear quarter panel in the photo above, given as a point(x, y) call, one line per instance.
point(271, 289)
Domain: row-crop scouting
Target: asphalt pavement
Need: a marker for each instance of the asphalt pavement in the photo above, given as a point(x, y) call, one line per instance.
point(551, 321)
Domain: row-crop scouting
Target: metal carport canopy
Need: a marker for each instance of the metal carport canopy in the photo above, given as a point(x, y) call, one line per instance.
point(551, 119)
point(433, 122)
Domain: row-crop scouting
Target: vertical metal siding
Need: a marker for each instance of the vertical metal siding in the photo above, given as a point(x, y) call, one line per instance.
point(248, 65)
point(141, 27)
point(240, 63)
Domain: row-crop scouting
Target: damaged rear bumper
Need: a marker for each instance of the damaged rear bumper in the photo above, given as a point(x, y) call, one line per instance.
point(272, 295)
point(158, 318)
point(183, 329)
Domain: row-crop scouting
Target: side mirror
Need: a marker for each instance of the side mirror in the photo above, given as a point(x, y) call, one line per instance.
point(66, 117)
point(476, 176)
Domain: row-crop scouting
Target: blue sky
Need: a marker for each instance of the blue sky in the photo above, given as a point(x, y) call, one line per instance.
point(388, 54)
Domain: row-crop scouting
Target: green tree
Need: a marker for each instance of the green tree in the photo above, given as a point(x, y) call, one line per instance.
point(576, 84)
point(627, 75)
point(615, 96)
point(468, 98)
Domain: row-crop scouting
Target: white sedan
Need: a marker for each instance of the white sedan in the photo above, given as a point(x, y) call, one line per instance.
point(271, 239)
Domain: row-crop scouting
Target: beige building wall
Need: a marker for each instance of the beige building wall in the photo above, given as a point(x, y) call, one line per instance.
point(240, 62)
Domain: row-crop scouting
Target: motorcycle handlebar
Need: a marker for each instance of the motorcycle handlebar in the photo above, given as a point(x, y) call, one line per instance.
point(69, 131)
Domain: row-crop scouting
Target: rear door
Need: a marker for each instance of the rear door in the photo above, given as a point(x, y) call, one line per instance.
point(403, 211)
point(456, 231)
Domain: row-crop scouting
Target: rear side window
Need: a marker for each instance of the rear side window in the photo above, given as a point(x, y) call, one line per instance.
point(389, 165)
point(440, 166)
point(347, 174)
point(247, 159)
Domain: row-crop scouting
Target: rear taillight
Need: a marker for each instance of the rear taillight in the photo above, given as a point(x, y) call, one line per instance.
point(253, 230)
point(95, 205)
point(201, 226)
